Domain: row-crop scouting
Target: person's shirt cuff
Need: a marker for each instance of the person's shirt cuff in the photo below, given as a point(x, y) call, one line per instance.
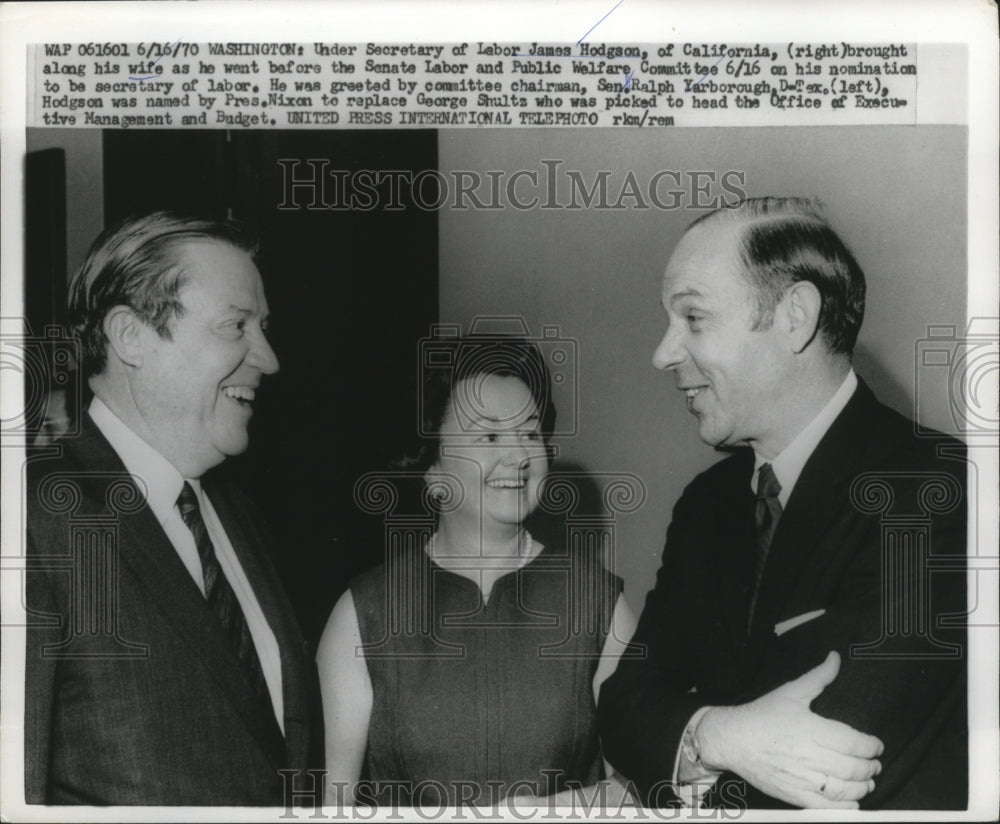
point(691, 779)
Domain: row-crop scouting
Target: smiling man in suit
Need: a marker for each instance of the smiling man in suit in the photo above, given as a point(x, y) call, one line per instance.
point(164, 663)
point(800, 650)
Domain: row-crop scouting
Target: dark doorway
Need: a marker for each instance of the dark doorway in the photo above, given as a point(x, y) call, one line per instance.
point(351, 292)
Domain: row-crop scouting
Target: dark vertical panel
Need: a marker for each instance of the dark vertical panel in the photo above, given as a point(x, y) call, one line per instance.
point(45, 239)
point(154, 169)
point(48, 365)
point(350, 291)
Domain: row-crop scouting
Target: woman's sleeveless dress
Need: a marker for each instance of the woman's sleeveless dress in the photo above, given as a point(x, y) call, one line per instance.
point(472, 698)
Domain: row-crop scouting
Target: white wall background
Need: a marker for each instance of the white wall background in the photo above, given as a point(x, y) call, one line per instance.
point(896, 195)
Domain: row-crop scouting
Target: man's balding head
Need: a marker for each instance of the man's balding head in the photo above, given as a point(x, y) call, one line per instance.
point(784, 240)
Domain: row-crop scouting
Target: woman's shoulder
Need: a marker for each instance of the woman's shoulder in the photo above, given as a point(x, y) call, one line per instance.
point(587, 561)
point(401, 565)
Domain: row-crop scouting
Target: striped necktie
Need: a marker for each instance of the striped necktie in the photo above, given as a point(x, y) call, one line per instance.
point(766, 516)
point(220, 596)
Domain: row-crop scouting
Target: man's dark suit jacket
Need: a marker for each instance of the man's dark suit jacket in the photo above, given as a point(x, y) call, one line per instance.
point(871, 501)
point(133, 694)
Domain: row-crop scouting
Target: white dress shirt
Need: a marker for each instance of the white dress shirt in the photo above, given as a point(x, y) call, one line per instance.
point(161, 484)
point(789, 464)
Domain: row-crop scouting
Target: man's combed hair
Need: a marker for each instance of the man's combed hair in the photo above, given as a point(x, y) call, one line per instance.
point(786, 240)
point(136, 264)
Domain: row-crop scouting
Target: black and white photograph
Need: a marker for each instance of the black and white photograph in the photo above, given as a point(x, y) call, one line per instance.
point(526, 411)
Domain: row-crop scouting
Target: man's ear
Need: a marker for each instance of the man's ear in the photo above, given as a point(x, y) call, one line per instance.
point(801, 306)
point(125, 333)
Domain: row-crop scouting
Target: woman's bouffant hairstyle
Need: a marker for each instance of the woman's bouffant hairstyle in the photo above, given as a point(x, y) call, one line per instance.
point(453, 370)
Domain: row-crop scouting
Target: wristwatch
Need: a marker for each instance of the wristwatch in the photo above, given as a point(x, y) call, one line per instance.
point(690, 750)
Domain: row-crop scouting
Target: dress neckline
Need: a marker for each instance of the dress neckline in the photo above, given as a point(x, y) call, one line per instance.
point(486, 597)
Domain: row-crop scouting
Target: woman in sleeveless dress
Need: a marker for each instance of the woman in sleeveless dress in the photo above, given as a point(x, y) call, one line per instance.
point(465, 669)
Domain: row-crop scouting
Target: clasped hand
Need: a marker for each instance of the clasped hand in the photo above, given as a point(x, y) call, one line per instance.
point(782, 748)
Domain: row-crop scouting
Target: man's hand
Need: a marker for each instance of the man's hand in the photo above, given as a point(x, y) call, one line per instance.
point(783, 749)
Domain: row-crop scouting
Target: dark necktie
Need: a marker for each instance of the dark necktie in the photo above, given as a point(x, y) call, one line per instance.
point(766, 516)
point(220, 596)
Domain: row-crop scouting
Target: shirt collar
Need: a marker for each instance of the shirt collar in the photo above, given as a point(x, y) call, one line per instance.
point(789, 464)
point(155, 475)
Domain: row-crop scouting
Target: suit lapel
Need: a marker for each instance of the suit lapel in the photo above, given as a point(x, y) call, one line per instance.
point(252, 552)
point(816, 505)
point(145, 549)
point(734, 548)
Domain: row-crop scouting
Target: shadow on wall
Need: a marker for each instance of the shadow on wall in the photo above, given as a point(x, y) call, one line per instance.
point(581, 509)
point(891, 391)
